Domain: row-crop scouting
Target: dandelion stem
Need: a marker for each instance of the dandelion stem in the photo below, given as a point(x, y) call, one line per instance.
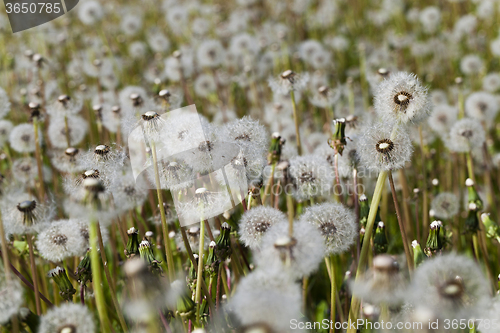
point(333, 290)
point(269, 183)
point(199, 275)
point(34, 274)
point(38, 156)
point(296, 120)
point(110, 281)
point(353, 313)
point(97, 277)
point(409, 258)
point(166, 239)
point(5, 253)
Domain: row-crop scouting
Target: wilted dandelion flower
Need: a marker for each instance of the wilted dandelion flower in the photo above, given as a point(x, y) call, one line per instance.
point(482, 106)
point(77, 128)
point(65, 106)
point(67, 160)
point(60, 241)
point(381, 151)
point(384, 283)
point(11, 299)
point(67, 318)
point(193, 236)
point(90, 12)
point(312, 176)
point(210, 53)
point(22, 138)
point(104, 158)
point(336, 223)
point(272, 300)
point(471, 64)
point(445, 205)
point(255, 222)
point(297, 256)
point(287, 81)
point(465, 135)
point(202, 204)
point(4, 103)
point(401, 98)
point(325, 97)
point(452, 285)
point(26, 216)
point(442, 118)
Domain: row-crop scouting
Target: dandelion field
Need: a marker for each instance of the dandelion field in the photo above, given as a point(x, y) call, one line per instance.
point(252, 166)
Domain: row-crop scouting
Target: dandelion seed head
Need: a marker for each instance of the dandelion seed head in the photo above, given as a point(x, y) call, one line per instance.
point(445, 205)
point(12, 297)
point(67, 318)
point(482, 106)
point(336, 224)
point(451, 284)
point(471, 64)
point(297, 256)
point(465, 135)
point(311, 175)
point(255, 222)
point(380, 150)
point(22, 138)
point(401, 98)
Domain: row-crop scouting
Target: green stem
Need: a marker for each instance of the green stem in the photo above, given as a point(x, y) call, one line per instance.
point(39, 163)
point(97, 278)
point(199, 276)
point(296, 120)
point(166, 239)
point(353, 314)
point(333, 291)
point(268, 185)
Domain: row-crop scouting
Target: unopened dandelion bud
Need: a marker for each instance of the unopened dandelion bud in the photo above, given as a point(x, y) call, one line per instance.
point(212, 263)
point(185, 305)
point(418, 254)
point(492, 229)
point(380, 242)
point(146, 253)
point(472, 221)
point(84, 270)
point(364, 210)
point(223, 242)
point(338, 139)
point(434, 241)
point(30, 319)
point(132, 248)
point(473, 196)
point(274, 154)
point(192, 273)
point(60, 277)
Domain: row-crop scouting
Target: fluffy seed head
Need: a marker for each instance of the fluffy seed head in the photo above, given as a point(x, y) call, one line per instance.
point(336, 223)
point(401, 98)
point(255, 222)
point(380, 150)
point(445, 205)
point(466, 135)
